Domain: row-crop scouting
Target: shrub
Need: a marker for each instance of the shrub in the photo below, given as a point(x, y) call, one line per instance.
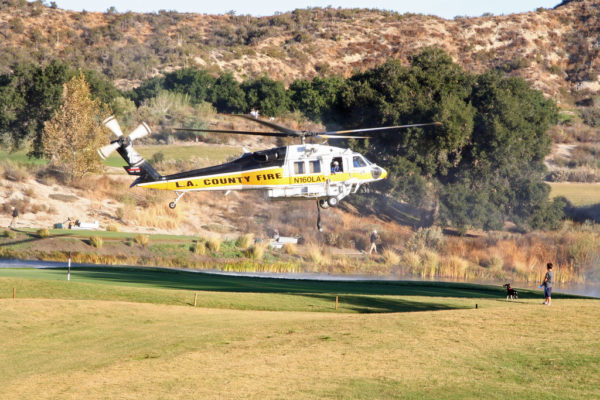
point(142, 240)
point(13, 171)
point(43, 233)
point(10, 234)
point(96, 241)
point(199, 247)
point(431, 238)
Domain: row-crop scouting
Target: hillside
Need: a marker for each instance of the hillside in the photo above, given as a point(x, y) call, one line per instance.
point(555, 50)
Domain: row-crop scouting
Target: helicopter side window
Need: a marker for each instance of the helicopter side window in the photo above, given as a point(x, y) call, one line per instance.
point(315, 166)
point(358, 162)
point(336, 165)
point(299, 168)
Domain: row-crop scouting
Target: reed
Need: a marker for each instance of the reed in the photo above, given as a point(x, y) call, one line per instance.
point(245, 241)
point(214, 244)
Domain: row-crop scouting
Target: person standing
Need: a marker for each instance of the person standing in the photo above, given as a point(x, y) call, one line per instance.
point(547, 284)
point(374, 238)
point(15, 216)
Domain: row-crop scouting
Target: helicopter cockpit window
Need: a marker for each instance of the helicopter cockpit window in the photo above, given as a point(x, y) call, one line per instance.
point(358, 162)
point(315, 166)
point(299, 168)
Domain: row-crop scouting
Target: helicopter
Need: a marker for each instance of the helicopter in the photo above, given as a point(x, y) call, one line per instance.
point(319, 172)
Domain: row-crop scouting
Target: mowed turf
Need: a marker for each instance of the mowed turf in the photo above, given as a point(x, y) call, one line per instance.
point(153, 344)
point(579, 194)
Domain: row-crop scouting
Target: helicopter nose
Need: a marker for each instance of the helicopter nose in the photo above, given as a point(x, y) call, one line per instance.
point(378, 173)
point(383, 173)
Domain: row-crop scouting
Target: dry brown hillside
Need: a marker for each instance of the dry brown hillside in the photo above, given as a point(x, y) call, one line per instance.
point(554, 49)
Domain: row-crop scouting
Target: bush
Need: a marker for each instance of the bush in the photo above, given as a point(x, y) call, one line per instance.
point(43, 233)
point(96, 241)
point(199, 247)
point(142, 240)
point(430, 238)
point(112, 228)
point(13, 171)
point(10, 234)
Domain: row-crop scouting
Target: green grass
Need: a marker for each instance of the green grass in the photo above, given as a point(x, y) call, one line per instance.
point(21, 158)
point(250, 293)
point(580, 194)
point(211, 152)
point(388, 339)
point(108, 235)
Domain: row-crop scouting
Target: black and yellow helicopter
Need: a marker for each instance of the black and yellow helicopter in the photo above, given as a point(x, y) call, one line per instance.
point(319, 172)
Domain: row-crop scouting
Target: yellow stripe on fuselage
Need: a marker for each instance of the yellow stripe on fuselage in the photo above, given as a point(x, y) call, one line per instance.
point(255, 179)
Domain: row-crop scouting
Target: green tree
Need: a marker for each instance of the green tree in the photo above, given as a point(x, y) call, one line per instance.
point(74, 133)
point(267, 96)
point(30, 95)
point(315, 98)
point(196, 83)
point(228, 96)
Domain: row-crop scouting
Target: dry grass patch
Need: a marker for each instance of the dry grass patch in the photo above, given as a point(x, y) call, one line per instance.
point(290, 249)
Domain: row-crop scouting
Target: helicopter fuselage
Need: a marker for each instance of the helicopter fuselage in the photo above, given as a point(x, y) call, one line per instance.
point(296, 171)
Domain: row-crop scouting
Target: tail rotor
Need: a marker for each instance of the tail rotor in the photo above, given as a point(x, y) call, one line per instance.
point(122, 142)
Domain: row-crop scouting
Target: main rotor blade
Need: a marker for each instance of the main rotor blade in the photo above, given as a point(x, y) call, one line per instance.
point(290, 132)
point(278, 134)
point(383, 128)
point(342, 137)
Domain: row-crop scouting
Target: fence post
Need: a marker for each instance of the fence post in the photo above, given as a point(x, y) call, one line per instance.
point(195, 299)
point(336, 303)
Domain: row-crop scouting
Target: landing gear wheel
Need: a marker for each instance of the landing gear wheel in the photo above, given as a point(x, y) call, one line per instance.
point(323, 204)
point(172, 205)
point(332, 201)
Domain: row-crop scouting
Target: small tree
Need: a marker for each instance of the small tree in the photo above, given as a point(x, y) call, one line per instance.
point(74, 133)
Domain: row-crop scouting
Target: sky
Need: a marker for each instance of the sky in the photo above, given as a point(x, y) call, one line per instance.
point(442, 8)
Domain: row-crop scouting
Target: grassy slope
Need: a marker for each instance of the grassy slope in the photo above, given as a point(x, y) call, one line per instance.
point(54, 348)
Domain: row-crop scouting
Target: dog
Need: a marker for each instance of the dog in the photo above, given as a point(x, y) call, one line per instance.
point(510, 292)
